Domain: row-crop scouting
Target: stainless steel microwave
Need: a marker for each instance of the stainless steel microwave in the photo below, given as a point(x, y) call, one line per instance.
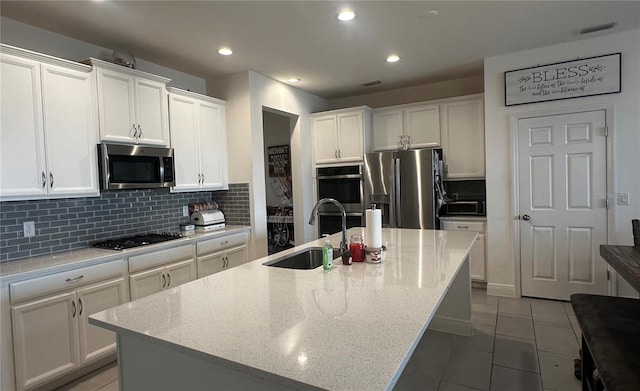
point(135, 167)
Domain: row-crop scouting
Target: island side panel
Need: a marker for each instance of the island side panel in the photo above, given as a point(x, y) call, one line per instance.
point(454, 313)
point(144, 365)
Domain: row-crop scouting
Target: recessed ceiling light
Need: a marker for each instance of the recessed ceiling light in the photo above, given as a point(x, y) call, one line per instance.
point(346, 15)
point(294, 80)
point(428, 14)
point(225, 51)
point(393, 58)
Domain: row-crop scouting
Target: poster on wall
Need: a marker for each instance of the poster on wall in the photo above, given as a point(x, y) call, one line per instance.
point(563, 80)
point(279, 161)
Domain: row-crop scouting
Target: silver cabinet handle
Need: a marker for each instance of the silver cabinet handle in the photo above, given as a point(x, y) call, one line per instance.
point(339, 154)
point(135, 131)
point(74, 279)
point(335, 153)
point(139, 131)
point(73, 303)
point(199, 178)
point(202, 178)
point(44, 180)
point(463, 226)
point(168, 280)
point(81, 306)
point(51, 179)
point(164, 280)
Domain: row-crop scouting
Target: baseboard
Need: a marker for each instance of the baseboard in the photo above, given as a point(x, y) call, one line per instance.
point(504, 290)
point(479, 284)
point(451, 326)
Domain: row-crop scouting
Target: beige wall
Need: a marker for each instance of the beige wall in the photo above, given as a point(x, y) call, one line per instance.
point(502, 246)
point(419, 93)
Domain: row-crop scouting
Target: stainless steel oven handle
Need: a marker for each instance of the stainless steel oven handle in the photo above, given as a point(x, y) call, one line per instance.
point(345, 176)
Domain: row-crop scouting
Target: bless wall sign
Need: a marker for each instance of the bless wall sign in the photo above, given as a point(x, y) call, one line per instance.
point(563, 80)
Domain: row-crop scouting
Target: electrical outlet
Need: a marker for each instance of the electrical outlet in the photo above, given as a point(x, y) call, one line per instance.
point(623, 198)
point(185, 211)
point(29, 228)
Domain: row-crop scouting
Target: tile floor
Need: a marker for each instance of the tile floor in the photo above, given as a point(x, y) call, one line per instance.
point(518, 344)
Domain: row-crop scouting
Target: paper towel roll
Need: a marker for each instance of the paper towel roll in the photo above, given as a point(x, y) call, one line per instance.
point(373, 230)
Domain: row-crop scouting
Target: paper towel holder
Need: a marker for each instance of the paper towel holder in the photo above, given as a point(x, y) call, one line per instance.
point(373, 206)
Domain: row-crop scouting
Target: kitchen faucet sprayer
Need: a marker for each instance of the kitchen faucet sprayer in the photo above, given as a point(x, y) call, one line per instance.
point(312, 219)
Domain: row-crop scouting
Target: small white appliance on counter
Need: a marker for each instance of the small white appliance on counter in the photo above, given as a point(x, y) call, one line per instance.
point(208, 220)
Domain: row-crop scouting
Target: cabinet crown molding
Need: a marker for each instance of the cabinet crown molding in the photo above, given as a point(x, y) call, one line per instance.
point(43, 58)
point(195, 95)
point(344, 110)
point(122, 69)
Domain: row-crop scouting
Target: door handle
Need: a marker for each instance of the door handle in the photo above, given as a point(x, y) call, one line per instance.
point(526, 217)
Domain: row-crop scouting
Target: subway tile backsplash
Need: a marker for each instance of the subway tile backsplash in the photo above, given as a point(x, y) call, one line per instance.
point(73, 223)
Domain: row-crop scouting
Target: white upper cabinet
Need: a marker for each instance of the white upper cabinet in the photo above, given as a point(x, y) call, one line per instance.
point(48, 129)
point(198, 137)
point(132, 105)
point(416, 126)
point(341, 136)
point(463, 138)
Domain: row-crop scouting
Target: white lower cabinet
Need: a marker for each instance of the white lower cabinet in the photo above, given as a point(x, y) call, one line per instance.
point(216, 255)
point(477, 255)
point(52, 336)
point(147, 277)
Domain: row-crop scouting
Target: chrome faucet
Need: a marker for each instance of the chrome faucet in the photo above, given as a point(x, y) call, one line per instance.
point(312, 219)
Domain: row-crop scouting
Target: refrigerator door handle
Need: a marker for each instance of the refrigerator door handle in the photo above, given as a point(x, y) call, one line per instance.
point(398, 197)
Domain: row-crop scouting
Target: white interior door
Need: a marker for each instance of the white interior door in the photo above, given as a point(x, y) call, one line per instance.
point(562, 191)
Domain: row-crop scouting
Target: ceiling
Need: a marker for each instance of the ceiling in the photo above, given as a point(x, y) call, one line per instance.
point(283, 39)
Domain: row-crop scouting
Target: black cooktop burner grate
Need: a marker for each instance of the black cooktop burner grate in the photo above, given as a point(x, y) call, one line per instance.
point(136, 241)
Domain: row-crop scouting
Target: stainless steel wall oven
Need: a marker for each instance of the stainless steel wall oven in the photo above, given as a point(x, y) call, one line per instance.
point(345, 184)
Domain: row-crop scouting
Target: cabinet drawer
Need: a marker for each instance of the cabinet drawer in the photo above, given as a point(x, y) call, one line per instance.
point(217, 244)
point(474, 226)
point(28, 289)
point(158, 258)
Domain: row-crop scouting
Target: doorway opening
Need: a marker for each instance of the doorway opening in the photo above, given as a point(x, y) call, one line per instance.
point(277, 128)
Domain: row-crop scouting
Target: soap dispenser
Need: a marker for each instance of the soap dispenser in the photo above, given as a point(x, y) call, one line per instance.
point(327, 255)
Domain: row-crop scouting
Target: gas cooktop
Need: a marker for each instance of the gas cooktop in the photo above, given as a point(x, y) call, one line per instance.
point(136, 241)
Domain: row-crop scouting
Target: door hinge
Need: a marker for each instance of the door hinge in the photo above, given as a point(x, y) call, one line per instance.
point(606, 203)
point(608, 275)
point(606, 131)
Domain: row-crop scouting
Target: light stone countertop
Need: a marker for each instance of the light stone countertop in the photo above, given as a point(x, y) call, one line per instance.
point(463, 218)
point(349, 328)
point(25, 268)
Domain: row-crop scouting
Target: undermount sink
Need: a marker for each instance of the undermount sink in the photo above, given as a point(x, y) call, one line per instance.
point(310, 258)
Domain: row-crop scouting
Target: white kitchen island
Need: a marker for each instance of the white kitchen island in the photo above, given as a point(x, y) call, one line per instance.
point(268, 328)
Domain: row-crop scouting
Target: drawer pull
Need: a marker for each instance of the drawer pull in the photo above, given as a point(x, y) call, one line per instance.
point(224, 243)
point(463, 226)
point(74, 279)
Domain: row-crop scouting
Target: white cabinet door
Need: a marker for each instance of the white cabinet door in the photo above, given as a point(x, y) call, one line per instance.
point(210, 264)
point(116, 106)
point(22, 156)
point(477, 255)
point(96, 342)
point(151, 112)
point(463, 139)
point(387, 129)
point(180, 273)
point(422, 125)
point(236, 256)
point(350, 136)
point(147, 282)
point(70, 131)
point(45, 338)
point(185, 143)
point(325, 139)
point(213, 146)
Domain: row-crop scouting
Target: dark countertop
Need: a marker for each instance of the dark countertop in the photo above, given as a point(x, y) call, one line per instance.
point(625, 260)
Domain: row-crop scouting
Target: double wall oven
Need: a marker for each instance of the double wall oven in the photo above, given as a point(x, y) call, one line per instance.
point(345, 184)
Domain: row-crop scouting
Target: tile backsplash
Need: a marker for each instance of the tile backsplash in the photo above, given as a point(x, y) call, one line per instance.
point(71, 223)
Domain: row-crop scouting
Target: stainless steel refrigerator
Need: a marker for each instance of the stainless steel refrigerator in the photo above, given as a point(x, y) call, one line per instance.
point(406, 185)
